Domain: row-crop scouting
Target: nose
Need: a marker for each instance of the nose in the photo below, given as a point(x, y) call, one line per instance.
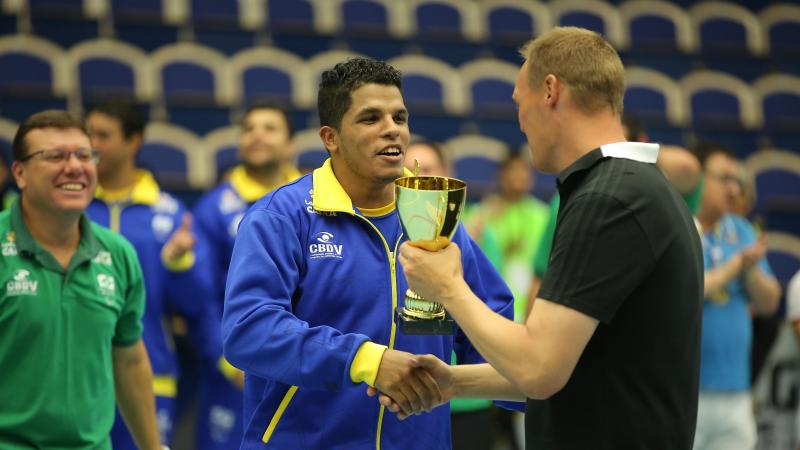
point(72, 163)
point(391, 128)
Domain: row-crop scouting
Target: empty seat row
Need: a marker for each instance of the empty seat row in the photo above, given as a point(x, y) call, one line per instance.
point(715, 26)
point(186, 75)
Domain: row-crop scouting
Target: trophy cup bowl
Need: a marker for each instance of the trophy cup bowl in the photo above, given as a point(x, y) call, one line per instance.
point(429, 209)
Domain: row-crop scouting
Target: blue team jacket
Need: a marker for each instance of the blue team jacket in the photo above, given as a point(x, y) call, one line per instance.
point(310, 280)
point(148, 220)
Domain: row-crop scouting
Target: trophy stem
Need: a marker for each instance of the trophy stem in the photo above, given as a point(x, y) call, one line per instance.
point(419, 308)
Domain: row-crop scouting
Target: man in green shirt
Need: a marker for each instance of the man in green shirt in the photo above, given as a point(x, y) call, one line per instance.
point(71, 301)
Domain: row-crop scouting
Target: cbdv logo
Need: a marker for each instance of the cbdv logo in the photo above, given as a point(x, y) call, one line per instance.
point(324, 246)
point(22, 284)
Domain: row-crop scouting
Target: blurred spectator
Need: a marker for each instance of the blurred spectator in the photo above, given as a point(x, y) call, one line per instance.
point(129, 201)
point(72, 303)
point(737, 279)
point(7, 193)
point(431, 157)
point(516, 221)
point(264, 143)
point(471, 420)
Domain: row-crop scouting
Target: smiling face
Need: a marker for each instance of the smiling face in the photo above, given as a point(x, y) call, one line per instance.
point(66, 187)
point(368, 148)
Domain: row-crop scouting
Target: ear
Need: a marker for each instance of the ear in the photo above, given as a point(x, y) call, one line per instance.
point(552, 89)
point(135, 142)
point(329, 138)
point(18, 170)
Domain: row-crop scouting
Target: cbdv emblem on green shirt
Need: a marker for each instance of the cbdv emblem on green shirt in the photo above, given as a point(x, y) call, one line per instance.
point(22, 284)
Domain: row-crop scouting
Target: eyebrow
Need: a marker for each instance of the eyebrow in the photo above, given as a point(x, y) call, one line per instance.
point(373, 110)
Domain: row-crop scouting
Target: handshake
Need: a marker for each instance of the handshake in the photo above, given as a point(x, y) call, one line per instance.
point(409, 384)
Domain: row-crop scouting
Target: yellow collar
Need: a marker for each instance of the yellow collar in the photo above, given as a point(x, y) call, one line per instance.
point(378, 212)
point(145, 190)
point(251, 190)
point(329, 195)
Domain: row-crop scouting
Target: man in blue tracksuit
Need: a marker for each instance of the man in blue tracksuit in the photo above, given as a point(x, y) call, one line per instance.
point(265, 143)
point(314, 280)
point(130, 202)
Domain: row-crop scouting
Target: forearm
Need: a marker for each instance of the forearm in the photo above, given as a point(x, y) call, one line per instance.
point(716, 279)
point(133, 379)
point(483, 381)
point(763, 291)
point(506, 345)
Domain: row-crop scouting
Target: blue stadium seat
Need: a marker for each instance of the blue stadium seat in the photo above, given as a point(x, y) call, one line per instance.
point(514, 22)
point(303, 27)
point(656, 26)
point(378, 28)
point(777, 178)
point(175, 156)
point(227, 26)
point(476, 160)
point(779, 98)
point(270, 74)
point(367, 18)
point(65, 22)
point(781, 26)
point(430, 86)
point(8, 129)
point(654, 98)
point(10, 14)
point(447, 29)
point(594, 15)
point(727, 29)
point(104, 68)
point(718, 101)
point(488, 86)
point(222, 146)
point(33, 77)
point(310, 153)
point(148, 24)
point(446, 20)
point(193, 83)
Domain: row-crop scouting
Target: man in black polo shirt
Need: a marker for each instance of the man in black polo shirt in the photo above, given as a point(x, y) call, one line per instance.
point(609, 355)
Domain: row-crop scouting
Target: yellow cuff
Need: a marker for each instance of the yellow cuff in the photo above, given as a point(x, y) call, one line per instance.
point(181, 264)
point(165, 386)
point(367, 362)
point(227, 369)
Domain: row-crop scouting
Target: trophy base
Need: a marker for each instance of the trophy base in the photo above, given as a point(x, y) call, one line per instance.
point(424, 327)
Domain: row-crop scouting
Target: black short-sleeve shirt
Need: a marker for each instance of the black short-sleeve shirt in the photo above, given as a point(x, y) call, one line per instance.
point(627, 253)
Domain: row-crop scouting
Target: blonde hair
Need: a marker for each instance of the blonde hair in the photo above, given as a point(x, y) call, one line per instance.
point(584, 61)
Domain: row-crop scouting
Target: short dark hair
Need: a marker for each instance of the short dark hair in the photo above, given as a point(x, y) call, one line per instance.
point(336, 85)
point(126, 112)
point(704, 149)
point(51, 118)
point(257, 106)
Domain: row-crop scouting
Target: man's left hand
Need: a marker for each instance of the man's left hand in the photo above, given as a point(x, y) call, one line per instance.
point(432, 275)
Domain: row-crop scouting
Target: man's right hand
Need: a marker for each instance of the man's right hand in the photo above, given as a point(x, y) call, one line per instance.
point(436, 368)
point(412, 389)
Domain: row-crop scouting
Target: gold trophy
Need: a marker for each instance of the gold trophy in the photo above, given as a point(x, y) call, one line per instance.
point(429, 209)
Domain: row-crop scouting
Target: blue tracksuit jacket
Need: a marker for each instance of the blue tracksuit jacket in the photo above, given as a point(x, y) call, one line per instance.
point(309, 282)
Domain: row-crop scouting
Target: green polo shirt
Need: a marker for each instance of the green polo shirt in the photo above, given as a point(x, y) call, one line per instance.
point(57, 329)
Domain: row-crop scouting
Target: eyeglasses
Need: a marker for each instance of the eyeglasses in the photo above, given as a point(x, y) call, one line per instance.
point(58, 156)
